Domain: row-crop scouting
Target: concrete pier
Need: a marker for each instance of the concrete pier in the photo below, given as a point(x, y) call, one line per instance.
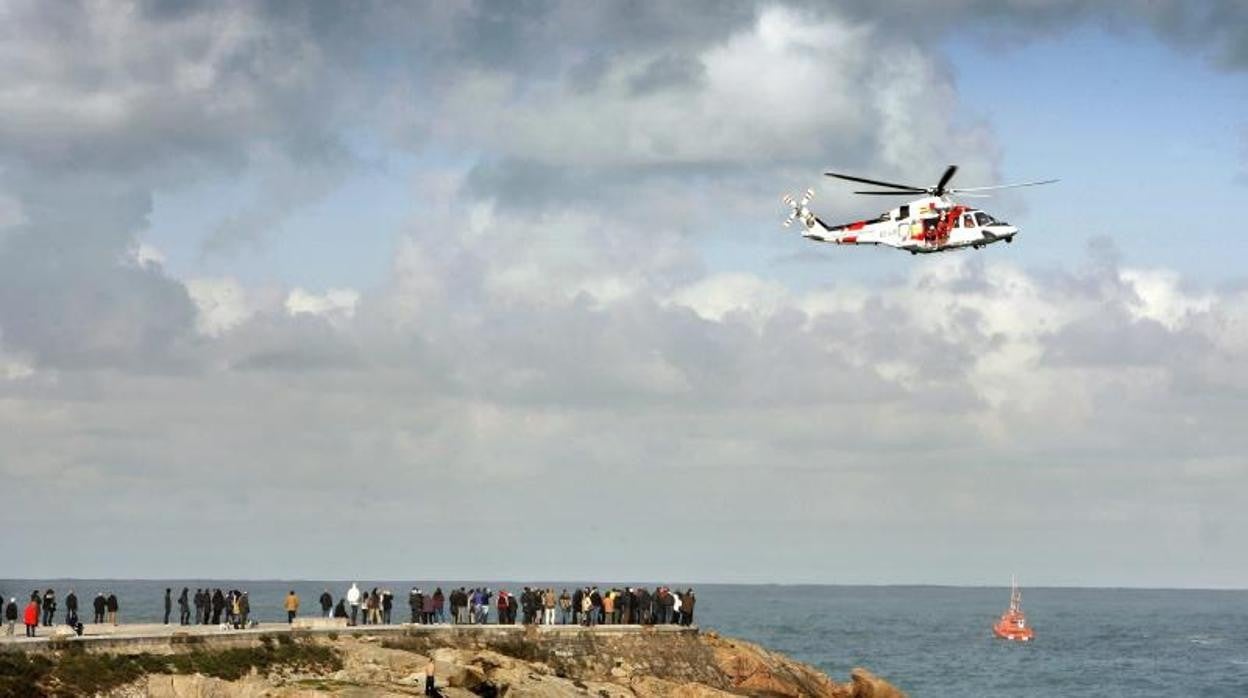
point(157, 638)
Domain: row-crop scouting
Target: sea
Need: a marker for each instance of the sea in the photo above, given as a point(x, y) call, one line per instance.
point(928, 640)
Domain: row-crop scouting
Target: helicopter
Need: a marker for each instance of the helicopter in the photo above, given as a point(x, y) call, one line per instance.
point(934, 222)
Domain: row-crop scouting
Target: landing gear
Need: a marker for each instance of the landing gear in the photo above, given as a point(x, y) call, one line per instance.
point(1009, 239)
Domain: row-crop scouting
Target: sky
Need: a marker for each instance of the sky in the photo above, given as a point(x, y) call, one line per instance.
point(499, 290)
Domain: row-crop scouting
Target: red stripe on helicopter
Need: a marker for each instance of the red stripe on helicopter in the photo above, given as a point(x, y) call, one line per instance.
point(848, 239)
point(857, 226)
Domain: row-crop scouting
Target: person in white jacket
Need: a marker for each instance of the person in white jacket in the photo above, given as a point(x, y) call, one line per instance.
point(353, 599)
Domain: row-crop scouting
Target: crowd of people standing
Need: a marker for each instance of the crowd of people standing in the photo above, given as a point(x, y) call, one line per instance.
point(41, 610)
point(536, 606)
point(587, 606)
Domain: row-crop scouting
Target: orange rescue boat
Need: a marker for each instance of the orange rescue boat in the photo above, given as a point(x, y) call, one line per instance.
point(1013, 624)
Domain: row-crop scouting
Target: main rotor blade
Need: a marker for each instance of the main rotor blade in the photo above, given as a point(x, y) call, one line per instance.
point(878, 183)
point(912, 192)
point(944, 179)
point(1006, 186)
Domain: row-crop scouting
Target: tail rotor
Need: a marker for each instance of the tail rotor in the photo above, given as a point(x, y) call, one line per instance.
point(798, 208)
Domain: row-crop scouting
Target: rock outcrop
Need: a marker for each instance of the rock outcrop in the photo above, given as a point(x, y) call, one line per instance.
point(537, 665)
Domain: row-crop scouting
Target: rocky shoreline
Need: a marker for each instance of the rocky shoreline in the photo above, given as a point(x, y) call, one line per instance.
point(520, 662)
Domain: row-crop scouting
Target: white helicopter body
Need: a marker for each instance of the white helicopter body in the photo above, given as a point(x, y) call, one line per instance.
point(931, 223)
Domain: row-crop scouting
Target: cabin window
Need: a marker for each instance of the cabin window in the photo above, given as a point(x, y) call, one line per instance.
point(984, 218)
point(904, 211)
point(968, 221)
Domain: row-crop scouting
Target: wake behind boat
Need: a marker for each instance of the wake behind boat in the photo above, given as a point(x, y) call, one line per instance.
point(1013, 624)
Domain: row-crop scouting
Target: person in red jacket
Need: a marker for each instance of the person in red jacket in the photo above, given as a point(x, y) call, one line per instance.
point(31, 617)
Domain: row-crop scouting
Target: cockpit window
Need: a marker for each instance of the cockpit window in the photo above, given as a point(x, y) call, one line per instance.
point(968, 221)
point(984, 218)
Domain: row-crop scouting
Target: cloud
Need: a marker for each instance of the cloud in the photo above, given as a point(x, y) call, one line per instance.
point(335, 301)
point(552, 353)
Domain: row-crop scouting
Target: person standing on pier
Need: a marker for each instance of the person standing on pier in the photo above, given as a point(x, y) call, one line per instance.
point(387, 605)
point(218, 605)
point(49, 607)
point(374, 607)
point(111, 604)
point(168, 604)
point(234, 606)
point(184, 608)
point(565, 608)
point(10, 616)
point(686, 608)
point(609, 608)
point(548, 607)
point(244, 608)
point(292, 606)
point(588, 613)
point(327, 603)
point(624, 605)
point(439, 605)
point(353, 600)
point(503, 604)
point(595, 598)
point(71, 607)
point(427, 612)
point(31, 616)
point(483, 611)
point(97, 605)
point(416, 602)
point(577, 597)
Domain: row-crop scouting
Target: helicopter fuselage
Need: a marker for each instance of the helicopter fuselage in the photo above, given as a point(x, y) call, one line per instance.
point(922, 226)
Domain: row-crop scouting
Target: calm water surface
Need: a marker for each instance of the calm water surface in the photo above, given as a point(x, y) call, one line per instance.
point(930, 641)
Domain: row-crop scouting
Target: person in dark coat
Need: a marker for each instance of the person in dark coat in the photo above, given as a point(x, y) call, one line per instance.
point(98, 605)
point(218, 605)
point(576, 606)
point(416, 602)
point(643, 607)
point(49, 607)
point(439, 601)
point(71, 612)
point(168, 604)
point(595, 598)
point(387, 606)
point(340, 611)
point(623, 606)
point(184, 607)
point(10, 616)
point(71, 607)
point(113, 606)
point(687, 602)
point(327, 603)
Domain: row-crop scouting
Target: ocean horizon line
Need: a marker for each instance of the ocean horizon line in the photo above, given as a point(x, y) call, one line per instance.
point(630, 582)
